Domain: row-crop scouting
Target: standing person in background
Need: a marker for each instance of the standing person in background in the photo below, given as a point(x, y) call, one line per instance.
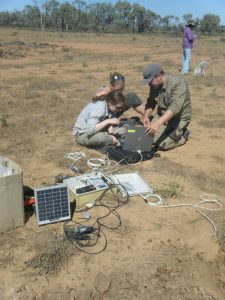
point(188, 40)
point(117, 83)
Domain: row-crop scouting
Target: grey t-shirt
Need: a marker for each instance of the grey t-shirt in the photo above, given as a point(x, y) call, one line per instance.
point(131, 100)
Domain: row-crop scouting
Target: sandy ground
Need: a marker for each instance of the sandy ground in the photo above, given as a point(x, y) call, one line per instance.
point(156, 253)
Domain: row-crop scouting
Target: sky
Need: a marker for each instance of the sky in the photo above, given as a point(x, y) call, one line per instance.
point(177, 8)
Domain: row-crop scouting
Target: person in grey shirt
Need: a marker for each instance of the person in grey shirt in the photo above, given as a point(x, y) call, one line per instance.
point(117, 83)
point(95, 124)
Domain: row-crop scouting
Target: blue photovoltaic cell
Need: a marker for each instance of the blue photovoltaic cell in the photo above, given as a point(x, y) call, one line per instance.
point(52, 204)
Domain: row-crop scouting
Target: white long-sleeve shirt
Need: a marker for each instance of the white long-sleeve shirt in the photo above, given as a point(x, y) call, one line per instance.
point(90, 116)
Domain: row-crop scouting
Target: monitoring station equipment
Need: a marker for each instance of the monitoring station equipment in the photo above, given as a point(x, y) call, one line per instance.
point(53, 202)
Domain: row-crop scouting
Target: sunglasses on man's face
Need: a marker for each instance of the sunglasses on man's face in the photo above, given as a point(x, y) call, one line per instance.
point(147, 76)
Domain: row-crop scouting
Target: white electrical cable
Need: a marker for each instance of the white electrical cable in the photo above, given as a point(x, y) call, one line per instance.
point(95, 163)
point(205, 198)
point(98, 164)
point(75, 156)
point(151, 203)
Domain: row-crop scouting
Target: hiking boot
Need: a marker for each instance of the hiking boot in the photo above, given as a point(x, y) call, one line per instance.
point(186, 134)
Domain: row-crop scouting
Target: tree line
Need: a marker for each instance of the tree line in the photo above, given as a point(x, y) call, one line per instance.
point(102, 17)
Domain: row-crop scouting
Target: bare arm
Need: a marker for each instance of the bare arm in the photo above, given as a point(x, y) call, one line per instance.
point(105, 123)
point(102, 92)
point(140, 109)
point(153, 127)
point(166, 117)
point(147, 114)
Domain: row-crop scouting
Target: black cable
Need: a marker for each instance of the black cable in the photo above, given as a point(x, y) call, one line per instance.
point(84, 240)
point(83, 237)
point(112, 209)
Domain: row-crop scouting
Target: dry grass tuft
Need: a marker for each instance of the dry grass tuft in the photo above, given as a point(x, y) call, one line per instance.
point(52, 254)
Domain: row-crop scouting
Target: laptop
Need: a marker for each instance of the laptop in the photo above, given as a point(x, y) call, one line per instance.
point(135, 139)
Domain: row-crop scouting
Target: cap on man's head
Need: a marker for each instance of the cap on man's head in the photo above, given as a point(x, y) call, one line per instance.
point(150, 72)
point(190, 22)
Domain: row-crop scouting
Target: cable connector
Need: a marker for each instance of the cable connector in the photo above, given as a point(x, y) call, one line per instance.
point(84, 229)
point(76, 169)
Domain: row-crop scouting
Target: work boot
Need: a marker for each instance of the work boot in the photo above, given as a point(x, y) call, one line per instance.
point(186, 134)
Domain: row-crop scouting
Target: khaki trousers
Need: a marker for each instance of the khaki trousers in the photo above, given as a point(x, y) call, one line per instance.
point(102, 138)
point(169, 135)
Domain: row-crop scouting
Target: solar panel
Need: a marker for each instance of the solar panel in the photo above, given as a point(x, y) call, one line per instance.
point(52, 204)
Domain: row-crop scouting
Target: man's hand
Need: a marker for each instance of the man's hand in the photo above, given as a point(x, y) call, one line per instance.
point(152, 128)
point(114, 139)
point(113, 121)
point(146, 116)
point(146, 121)
point(110, 130)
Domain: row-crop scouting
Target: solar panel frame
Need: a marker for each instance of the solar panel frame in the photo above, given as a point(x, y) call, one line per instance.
point(52, 204)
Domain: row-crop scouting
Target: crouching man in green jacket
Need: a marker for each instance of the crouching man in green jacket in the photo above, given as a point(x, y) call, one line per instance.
point(170, 96)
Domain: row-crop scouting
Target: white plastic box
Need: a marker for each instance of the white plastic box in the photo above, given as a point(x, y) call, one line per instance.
point(11, 195)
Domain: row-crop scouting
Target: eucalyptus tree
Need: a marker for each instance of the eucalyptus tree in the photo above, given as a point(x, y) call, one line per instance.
point(52, 13)
point(187, 17)
point(137, 18)
point(15, 18)
point(101, 16)
point(5, 18)
point(81, 18)
point(31, 15)
point(40, 4)
point(151, 21)
point(210, 23)
point(67, 16)
point(123, 10)
point(165, 23)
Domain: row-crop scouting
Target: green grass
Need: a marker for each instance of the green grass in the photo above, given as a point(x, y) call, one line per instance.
point(69, 57)
point(85, 64)
point(171, 190)
point(4, 120)
point(146, 57)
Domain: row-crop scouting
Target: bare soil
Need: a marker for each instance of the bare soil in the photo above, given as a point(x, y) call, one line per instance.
point(156, 253)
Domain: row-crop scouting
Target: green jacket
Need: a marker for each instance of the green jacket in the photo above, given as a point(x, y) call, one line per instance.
point(173, 95)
